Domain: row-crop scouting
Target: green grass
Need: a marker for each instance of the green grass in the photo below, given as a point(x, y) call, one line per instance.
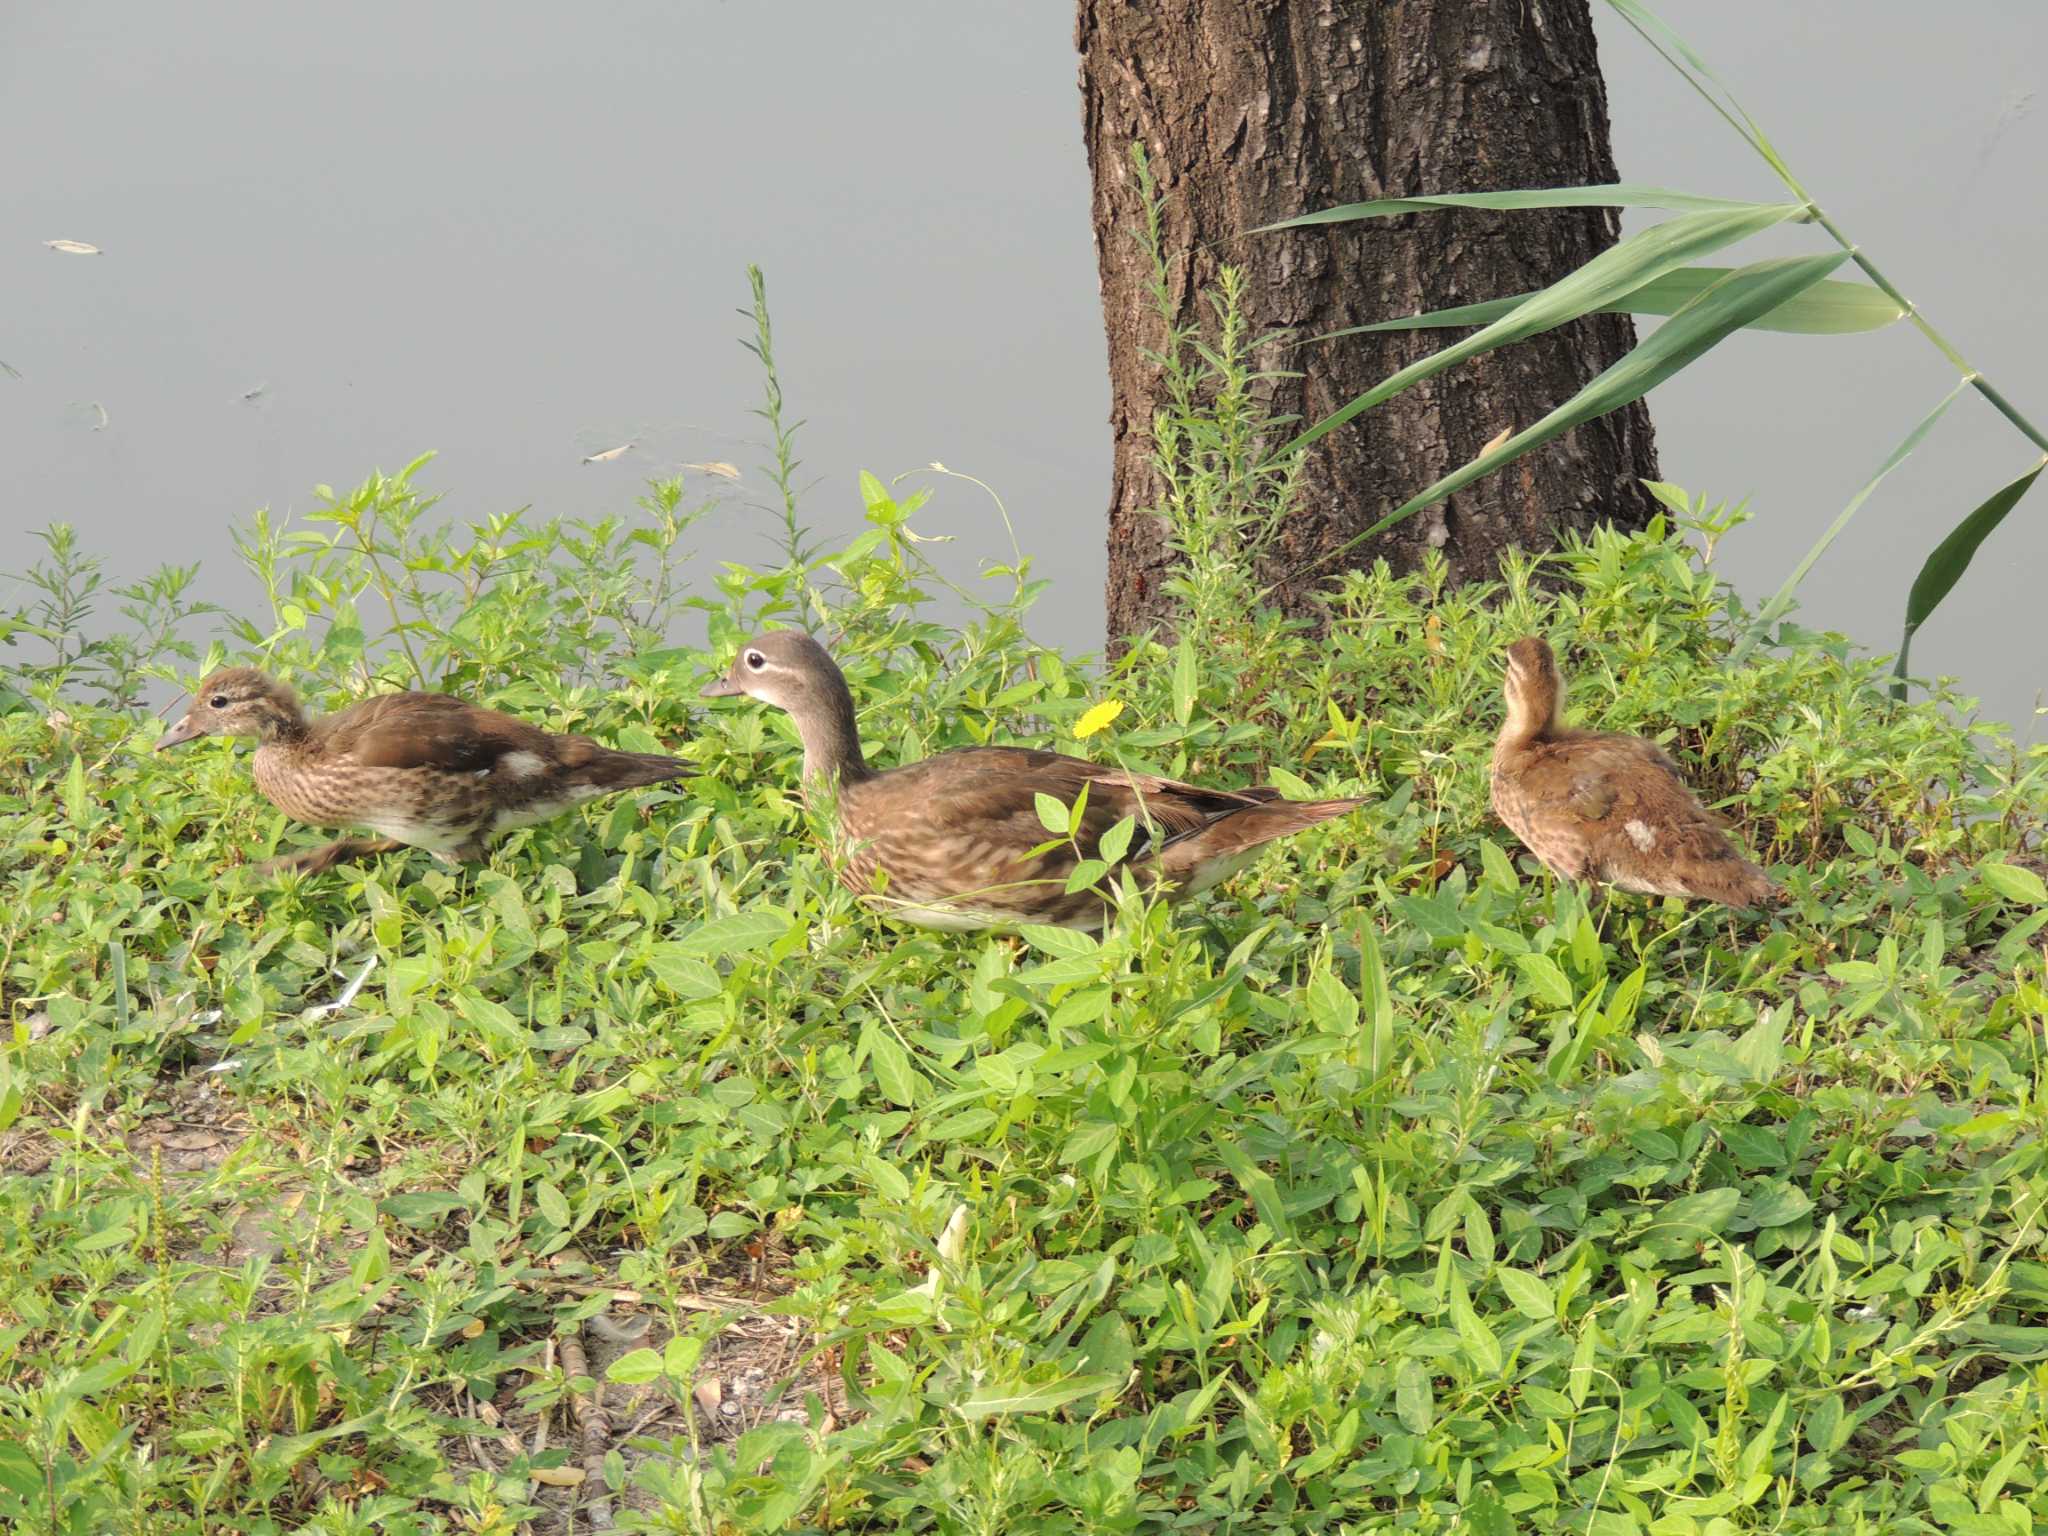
point(1386, 1187)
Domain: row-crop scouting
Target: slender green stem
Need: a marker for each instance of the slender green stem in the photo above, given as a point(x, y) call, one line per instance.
point(1976, 380)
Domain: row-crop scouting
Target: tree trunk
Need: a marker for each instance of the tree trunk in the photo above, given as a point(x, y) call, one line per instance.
point(1253, 111)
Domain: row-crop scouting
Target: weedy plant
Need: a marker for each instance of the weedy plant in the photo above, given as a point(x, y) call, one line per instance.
point(1386, 1187)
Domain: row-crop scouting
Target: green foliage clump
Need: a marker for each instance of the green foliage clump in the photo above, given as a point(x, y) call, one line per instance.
point(1387, 1187)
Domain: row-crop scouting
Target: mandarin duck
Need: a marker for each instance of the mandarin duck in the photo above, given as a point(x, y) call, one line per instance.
point(952, 842)
point(426, 770)
point(1607, 809)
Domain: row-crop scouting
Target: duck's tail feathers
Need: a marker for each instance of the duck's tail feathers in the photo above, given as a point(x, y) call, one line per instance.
point(632, 770)
point(1240, 831)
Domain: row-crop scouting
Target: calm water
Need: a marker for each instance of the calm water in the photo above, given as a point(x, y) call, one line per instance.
point(517, 234)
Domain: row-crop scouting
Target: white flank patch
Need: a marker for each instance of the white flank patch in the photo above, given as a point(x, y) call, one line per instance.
point(1640, 833)
point(530, 815)
point(1216, 871)
point(945, 919)
point(435, 835)
point(520, 765)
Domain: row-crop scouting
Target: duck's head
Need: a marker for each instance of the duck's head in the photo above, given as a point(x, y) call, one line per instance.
point(1532, 687)
point(238, 701)
point(786, 668)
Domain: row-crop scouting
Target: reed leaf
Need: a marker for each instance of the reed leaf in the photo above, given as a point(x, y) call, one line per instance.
point(1619, 270)
point(1723, 309)
point(1826, 309)
point(1951, 557)
point(1781, 600)
point(1619, 194)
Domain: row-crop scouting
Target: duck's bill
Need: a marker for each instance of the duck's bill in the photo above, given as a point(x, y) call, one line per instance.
point(722, 688)
point(184, 730)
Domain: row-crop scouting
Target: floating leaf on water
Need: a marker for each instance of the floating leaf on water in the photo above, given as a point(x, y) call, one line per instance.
point(101, 425)
point(608, 455)
point(73, 247)
point(717, 467)
point(251, 394)
point(9, 369)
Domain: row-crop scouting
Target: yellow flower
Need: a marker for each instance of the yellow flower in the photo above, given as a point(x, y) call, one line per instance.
point(1098, 718)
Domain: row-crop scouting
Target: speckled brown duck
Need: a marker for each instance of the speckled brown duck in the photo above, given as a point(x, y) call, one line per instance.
point(425, 770)
point(1607, 809)
point(948, 843)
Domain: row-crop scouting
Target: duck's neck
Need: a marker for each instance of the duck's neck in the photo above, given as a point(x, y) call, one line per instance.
point(1534, 712)
point(832, 755)
point(284, 725)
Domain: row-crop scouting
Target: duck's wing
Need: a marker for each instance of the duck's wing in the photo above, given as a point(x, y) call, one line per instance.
point(994, 791)
point(967, 823)
point(433, 730)
point(1617, 809)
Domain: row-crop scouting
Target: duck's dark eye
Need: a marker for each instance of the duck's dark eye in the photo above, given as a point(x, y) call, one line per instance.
point(756, 660)
point(218, 701)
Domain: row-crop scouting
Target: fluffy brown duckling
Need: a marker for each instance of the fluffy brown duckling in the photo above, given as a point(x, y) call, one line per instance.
point(426, 770)
point(1607, 809)
point(951, 838)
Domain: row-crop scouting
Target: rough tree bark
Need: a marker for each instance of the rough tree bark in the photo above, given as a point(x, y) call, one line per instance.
point(1257, 110)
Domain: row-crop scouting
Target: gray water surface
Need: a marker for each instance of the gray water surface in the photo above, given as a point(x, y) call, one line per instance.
point(517, 233)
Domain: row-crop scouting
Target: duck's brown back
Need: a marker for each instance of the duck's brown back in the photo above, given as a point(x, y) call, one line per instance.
point(438, 772)
point(958, 831)
point(1615, 809)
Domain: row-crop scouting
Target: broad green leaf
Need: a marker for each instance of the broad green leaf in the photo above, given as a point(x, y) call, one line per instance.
point(1374, 993)
point(1832, 308)
point(1616, 271)
point(755, 928)
point(1116, 842)
point(552, 1204)
point(1951, 557)
point(1680, 341)
point(1547, 981)
point(1777, 1205)
point(1583, 1355)
point(1414, 1401)
point(679, 1359)
point(1781, 600)
point(77, 804)
point(635, 1367)
point(1065, 943)
point(1694, 1218)
point(1331, 1004)
point(994, 1402)
point(1052, 812)
point(2015, 883)
point(1186, 683)
point(1478, 1339)
point(1531, 1297)
point(899, 1081)
point(1618, 194)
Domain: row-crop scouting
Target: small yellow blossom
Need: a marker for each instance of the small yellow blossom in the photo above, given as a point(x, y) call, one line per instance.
point(1098, 718)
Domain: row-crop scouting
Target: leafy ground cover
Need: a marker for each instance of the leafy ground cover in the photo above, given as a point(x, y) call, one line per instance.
point(642, 1176)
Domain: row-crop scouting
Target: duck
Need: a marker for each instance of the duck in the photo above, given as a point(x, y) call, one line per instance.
point(1604, 808)
point(954, 843)
point(424, 770)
